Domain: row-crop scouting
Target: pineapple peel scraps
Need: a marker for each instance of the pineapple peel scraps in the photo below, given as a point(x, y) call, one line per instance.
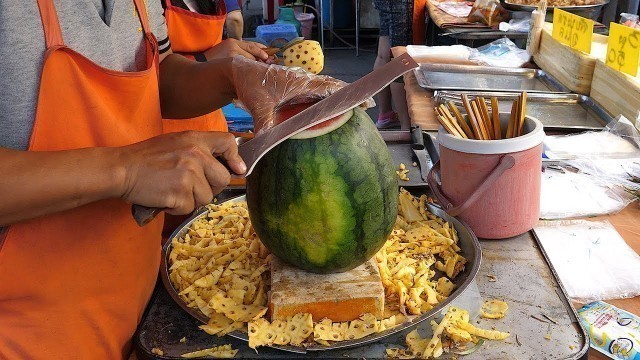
point(454, 331)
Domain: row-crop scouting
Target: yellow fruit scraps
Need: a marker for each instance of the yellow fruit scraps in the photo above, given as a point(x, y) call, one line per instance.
point(294, 331)
point(419, 244)
point(455, 327)
point(218, 352)
point(221, 268)
point(494, 309)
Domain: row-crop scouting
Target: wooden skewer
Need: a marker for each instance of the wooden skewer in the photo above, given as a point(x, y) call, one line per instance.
point(523, 112)
point(463, 123)
point(478, 115)
point(446, 125)
point(512, 119)
point(495, 113)
point(453, 121)
point(472, 119)
point(488, 124)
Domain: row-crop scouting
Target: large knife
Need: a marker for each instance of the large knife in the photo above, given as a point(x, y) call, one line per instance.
point(420, 151)
point(338, 103)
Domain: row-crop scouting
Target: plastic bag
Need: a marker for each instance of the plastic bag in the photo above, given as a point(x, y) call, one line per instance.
point(502, 53)
point(592, 260)
point(517, 25)
point(630, 20)
point(612, 331)
point(264, 89)
point(565, 195)
point(450, 54)
point(610, 158)
point(619, 140)
point(488, 12)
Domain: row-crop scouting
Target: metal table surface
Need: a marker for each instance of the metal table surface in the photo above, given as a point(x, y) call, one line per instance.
point(524, 280)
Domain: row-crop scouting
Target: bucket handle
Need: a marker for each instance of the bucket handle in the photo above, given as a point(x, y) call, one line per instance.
point(505, 163)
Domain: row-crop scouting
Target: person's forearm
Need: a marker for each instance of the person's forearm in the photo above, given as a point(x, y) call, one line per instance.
point(189, 89)
point(40, 183)
point(235, 24)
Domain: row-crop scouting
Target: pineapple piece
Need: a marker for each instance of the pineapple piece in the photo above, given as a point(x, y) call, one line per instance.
point(307, 55)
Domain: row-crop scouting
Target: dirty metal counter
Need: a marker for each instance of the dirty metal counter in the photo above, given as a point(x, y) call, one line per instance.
point(421, 102)
point(523, 279)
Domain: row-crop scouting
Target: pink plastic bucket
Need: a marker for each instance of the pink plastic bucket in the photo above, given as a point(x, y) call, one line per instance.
point(492, 185)
point(306, 23)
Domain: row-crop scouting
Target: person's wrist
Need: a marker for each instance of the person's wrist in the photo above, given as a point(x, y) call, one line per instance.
point(116, 171)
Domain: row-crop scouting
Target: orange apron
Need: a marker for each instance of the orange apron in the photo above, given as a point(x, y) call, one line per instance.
point(419, 26)
point(190, 32)
point(74, 285)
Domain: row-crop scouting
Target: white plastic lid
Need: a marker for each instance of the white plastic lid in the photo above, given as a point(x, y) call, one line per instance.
point(534, 135)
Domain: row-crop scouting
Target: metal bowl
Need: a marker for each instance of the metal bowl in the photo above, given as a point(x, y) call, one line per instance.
point(468, 243)
point(587, 11)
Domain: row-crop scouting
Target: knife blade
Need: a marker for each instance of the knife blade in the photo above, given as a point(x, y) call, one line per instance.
point(420, 152)
point(339, 102)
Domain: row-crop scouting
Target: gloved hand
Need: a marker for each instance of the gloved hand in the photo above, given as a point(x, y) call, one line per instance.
point(263, 89)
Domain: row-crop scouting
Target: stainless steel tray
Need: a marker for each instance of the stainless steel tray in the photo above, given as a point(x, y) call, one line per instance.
point(485, 78)
point(587, 11)
point(524, 278)
point(399, 145)
point(561, 112)
point(468, 244)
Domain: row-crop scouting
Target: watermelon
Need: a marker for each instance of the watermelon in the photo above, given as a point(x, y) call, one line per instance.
point(326, 202)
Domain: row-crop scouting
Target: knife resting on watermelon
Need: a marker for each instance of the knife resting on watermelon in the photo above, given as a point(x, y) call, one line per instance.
point(337, 103)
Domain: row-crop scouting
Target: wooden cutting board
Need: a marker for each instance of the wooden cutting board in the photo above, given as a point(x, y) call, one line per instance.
point(339, 297)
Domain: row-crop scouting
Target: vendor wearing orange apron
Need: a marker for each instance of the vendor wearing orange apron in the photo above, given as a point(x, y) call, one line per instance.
point(76, 271)
point(195, 32)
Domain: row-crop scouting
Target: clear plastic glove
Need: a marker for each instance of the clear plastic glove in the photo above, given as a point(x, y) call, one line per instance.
point(263, 89)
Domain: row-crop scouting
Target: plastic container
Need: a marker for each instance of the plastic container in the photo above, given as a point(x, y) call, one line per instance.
point(306, 24)
point(268, 33)
point(492, 185)
point(288, 16)
point(238, 119)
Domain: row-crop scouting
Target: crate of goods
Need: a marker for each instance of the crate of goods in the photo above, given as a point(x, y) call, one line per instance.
point(573, 68)
point(617, 92)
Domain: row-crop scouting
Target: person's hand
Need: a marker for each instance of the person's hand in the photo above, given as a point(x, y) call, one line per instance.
point(263, 89)
point(178, 172)
point(232, 47)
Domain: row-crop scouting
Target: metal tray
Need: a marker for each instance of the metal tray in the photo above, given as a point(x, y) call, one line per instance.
point(557, 112)
point(485, 78)
point(524, 278)
point(468, 243)
point(588, 11)
point(399, 145)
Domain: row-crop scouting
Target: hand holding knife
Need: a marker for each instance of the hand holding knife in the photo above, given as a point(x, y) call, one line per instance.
point(342, 100)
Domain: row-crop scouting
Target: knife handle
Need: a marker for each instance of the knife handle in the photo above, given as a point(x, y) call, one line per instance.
point(143, 215)
point(417, 141)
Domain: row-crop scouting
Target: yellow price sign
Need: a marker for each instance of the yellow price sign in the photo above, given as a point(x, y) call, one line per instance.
point(623, 49)
point(572, 30)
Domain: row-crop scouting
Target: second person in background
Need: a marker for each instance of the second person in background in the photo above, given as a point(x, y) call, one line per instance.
point(195, 30)
point(396, 17)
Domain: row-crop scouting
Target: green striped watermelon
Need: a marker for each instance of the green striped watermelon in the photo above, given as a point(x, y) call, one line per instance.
point(326, 203)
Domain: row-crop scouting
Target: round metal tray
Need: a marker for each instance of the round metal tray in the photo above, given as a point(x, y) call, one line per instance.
point(468, 243)
point(588, 11)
